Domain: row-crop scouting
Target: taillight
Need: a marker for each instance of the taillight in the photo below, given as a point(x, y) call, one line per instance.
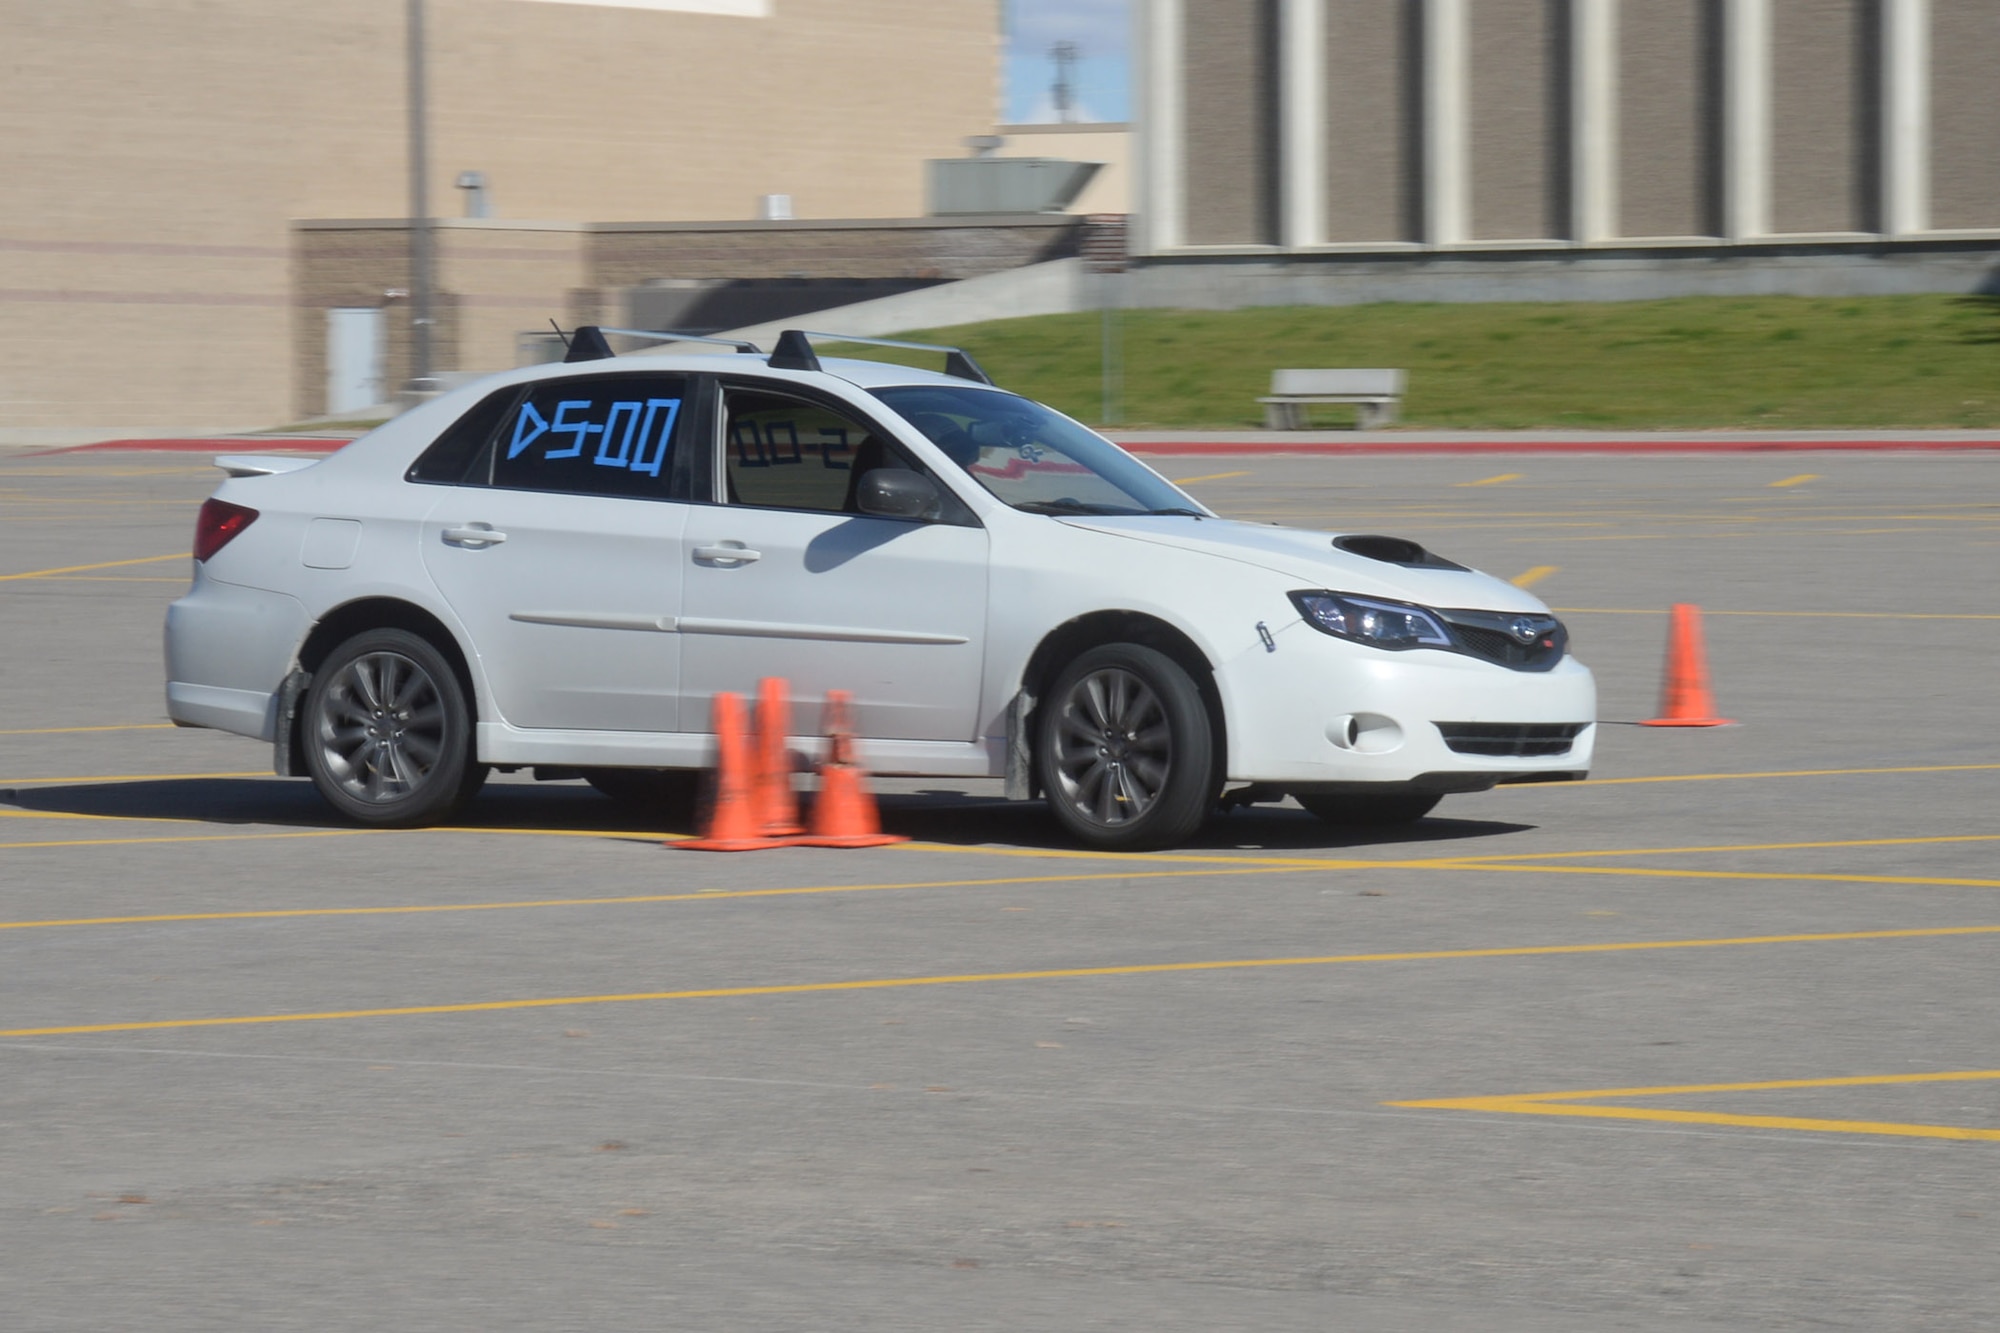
point(219, 521)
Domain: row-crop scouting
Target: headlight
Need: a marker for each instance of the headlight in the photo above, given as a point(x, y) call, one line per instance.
point(1371, 621)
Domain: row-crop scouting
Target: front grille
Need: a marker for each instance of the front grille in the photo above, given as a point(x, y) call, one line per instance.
point(1491, 635)
point(1511, 740)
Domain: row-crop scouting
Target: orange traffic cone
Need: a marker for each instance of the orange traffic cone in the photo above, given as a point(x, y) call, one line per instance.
point(777, 804)
point(732, 824)
point(843, 813)
point(1685, 700)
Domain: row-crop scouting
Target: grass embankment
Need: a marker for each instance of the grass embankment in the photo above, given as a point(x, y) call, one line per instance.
point(1746, 363)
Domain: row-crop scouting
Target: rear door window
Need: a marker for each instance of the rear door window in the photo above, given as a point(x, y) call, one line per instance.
point(611, 436)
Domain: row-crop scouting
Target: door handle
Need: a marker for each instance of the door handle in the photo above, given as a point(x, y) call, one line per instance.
point(475, 535)
point(727, 553)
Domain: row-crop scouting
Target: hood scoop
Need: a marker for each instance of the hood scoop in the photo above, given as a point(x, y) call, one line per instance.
point(1393, 551)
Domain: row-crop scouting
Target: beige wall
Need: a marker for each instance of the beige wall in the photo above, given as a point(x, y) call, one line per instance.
point(1229, 89)
point(1823, 115)
point(1518, 136)
point(155, 151)
point(1110, 190)
point(1669, 108)
point(499, 279)
point(1372, 75)
point(1965, 113)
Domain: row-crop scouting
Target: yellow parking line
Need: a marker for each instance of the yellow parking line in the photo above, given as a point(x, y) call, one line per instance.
point(1796, 877)
point(1799, 480)
point(1785, 773)
point(130, 777)
point(192, 837)
point(975, 978)
point(1491, 481)
point(123, 726)
point(1212, 476)
point(1529, 578)
point(1736, 847)
point(1792, 615)
point(1574, 1104)
point(632, 900)
point(79, 569)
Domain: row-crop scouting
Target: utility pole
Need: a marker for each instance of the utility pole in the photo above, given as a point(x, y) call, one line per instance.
point(420, 206)
point(1064, 92)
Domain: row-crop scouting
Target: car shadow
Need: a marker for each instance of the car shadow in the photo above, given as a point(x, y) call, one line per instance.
point(959, 820)
point(947, 817)
point(292, 803)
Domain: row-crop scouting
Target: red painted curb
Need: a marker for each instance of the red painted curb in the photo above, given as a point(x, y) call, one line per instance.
point(1251, 447)
point(277, 444)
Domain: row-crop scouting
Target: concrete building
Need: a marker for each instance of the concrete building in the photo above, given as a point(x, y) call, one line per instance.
point(157, 152)
point(1485, 149)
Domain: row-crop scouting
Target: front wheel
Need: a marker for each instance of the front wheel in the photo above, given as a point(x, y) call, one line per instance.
point(1125, 751)
point(387, 731)
point(1384, 811)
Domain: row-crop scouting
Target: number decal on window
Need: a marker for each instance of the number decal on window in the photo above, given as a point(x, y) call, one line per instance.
point(633, 434)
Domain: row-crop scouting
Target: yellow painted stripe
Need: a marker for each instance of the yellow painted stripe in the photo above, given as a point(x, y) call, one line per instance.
point(123, 726)
point(1212, 476)
point(1799, 480)
point(80, 569)
point(1565, 1103)
point(976, 978)
point(1792, 615)
point(1491, 481)
point(130, 777)
point(1746, 876)
point(1734, 847)
point(1780, 773)
point(1673, 1117)
point(1766, 1085)
point(195, 837)
point(6, 813)
point(704, 895)
point(1529, 578)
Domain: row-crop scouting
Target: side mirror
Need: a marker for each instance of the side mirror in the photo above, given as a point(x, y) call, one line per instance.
point(889, 492)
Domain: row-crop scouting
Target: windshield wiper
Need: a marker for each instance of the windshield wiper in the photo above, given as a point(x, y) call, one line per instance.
point(1069, 506)
point(1181, 513)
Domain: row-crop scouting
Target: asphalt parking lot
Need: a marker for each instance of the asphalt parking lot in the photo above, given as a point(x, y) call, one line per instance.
point(1708, 1042)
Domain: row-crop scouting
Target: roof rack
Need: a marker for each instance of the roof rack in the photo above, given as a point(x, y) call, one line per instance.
point(588, 342)
point(794, 352)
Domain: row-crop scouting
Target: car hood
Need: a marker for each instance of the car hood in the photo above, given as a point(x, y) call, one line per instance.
point(1311, 560)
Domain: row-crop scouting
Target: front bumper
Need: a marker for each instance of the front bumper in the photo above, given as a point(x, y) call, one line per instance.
point(1319, 713)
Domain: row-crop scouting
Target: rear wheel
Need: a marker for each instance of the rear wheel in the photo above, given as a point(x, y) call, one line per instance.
point(1125, 751)
point(1384, 811)
point(387, 731)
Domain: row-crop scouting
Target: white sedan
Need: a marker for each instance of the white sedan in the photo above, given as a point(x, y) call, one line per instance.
point(558, 567)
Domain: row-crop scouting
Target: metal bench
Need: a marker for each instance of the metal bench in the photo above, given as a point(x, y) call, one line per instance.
point(1377, 393)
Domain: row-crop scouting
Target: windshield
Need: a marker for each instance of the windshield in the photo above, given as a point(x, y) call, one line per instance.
point(1031, 457)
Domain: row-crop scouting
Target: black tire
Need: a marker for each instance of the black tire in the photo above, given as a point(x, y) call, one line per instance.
point(668, 791)
point(1384, 811)
point(1125, 751)
point(387, 732)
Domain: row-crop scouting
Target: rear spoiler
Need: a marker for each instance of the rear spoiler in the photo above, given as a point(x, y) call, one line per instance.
point(262, 465)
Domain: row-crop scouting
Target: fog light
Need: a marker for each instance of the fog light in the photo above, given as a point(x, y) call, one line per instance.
point(1365, 733)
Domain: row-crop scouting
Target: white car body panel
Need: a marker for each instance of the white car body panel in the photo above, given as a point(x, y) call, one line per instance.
point(595, 634)
point(894, 613)
point(572, 600)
